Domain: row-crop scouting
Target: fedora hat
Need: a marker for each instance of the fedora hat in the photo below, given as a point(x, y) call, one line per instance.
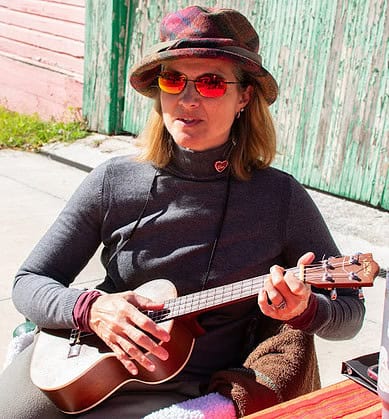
point(199, 32)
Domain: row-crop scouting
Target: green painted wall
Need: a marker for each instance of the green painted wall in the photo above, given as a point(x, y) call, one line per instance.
point(107, 32)
point(330, 58)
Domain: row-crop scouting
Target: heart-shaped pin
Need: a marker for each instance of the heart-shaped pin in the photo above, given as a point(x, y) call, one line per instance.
point(220, 166)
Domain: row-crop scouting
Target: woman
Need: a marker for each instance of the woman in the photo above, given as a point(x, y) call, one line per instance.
point(200, 207)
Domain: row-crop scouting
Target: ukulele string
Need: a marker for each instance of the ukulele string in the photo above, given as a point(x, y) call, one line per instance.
point(213, 296)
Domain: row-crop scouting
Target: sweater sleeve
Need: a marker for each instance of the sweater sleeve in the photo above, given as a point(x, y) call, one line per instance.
point(306, 231)
point(41, 289)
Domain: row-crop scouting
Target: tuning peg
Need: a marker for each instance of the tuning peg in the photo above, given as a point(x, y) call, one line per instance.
point(354, 277)
point(327, 277)
point(354, 259)
point(327, 265)
point(334, 294)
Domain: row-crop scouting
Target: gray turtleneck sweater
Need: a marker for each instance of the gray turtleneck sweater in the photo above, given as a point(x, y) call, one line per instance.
point(163, 224)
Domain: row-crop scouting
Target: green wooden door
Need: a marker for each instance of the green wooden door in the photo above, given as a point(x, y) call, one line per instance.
point(108, 29)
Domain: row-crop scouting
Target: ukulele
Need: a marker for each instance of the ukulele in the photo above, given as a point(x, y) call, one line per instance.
point(77, 371)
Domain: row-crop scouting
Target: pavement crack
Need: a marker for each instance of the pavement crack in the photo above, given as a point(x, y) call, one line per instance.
point(33, 187)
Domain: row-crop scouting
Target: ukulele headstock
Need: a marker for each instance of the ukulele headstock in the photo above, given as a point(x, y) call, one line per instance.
point(354, 271)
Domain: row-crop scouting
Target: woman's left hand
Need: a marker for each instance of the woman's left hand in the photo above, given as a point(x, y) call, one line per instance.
point(284, 297)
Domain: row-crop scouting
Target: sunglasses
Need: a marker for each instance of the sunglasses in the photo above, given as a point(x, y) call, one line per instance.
point(207, 85)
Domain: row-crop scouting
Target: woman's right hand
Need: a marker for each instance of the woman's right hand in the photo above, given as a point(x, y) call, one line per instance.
point(118, 321)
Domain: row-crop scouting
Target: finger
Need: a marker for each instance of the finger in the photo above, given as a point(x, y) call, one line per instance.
point(138, 307)
point(128, 352)
point(294, 282)
point(281, 306)
point(275, 285)
point(147, 344)
point(268, 309)
point(145, 323)
point(263, 302)
point(141, 301)
point(286, 283)
point(122, 355)
point(285, 291)
point(306, 259)
point(125, 330)
point(118, 346)
point(136, 355)
point(271, 295)
point(296, 286)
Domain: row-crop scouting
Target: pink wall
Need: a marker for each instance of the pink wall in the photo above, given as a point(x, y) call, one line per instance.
point(42, 56)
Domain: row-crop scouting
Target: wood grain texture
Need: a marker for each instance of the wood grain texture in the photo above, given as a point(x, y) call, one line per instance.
point(58, 26)
point(64, 9)
point(42, 56)
point(30, 89)
point(106, 49)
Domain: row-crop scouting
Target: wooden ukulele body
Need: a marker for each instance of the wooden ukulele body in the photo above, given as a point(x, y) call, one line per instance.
point(78, 383)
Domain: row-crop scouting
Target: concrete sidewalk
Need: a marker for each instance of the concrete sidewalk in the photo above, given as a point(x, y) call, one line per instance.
point(35, 187)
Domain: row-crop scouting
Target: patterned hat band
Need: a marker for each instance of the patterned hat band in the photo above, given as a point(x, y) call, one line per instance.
point(223, 44)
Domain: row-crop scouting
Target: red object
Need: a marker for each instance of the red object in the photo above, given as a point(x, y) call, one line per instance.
point(346, 399)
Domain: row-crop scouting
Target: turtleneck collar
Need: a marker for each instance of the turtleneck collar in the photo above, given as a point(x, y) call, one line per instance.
point(200, 165)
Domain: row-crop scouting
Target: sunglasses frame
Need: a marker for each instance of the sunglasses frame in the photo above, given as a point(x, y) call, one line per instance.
point(196, 81)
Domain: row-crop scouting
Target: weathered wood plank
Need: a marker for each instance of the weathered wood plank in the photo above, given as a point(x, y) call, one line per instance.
point(105, 52)
point(43, 56)
point(145, 20)
point(80, 3)
point(51, 93)
point(47, 41)
point(354, 116)
point(68, 12)
point(55, 26)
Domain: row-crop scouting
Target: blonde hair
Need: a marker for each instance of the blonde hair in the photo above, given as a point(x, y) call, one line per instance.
point(253, 132)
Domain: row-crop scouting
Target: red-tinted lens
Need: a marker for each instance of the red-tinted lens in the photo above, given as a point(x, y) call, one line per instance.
point(172, 83)
point(210, 85)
